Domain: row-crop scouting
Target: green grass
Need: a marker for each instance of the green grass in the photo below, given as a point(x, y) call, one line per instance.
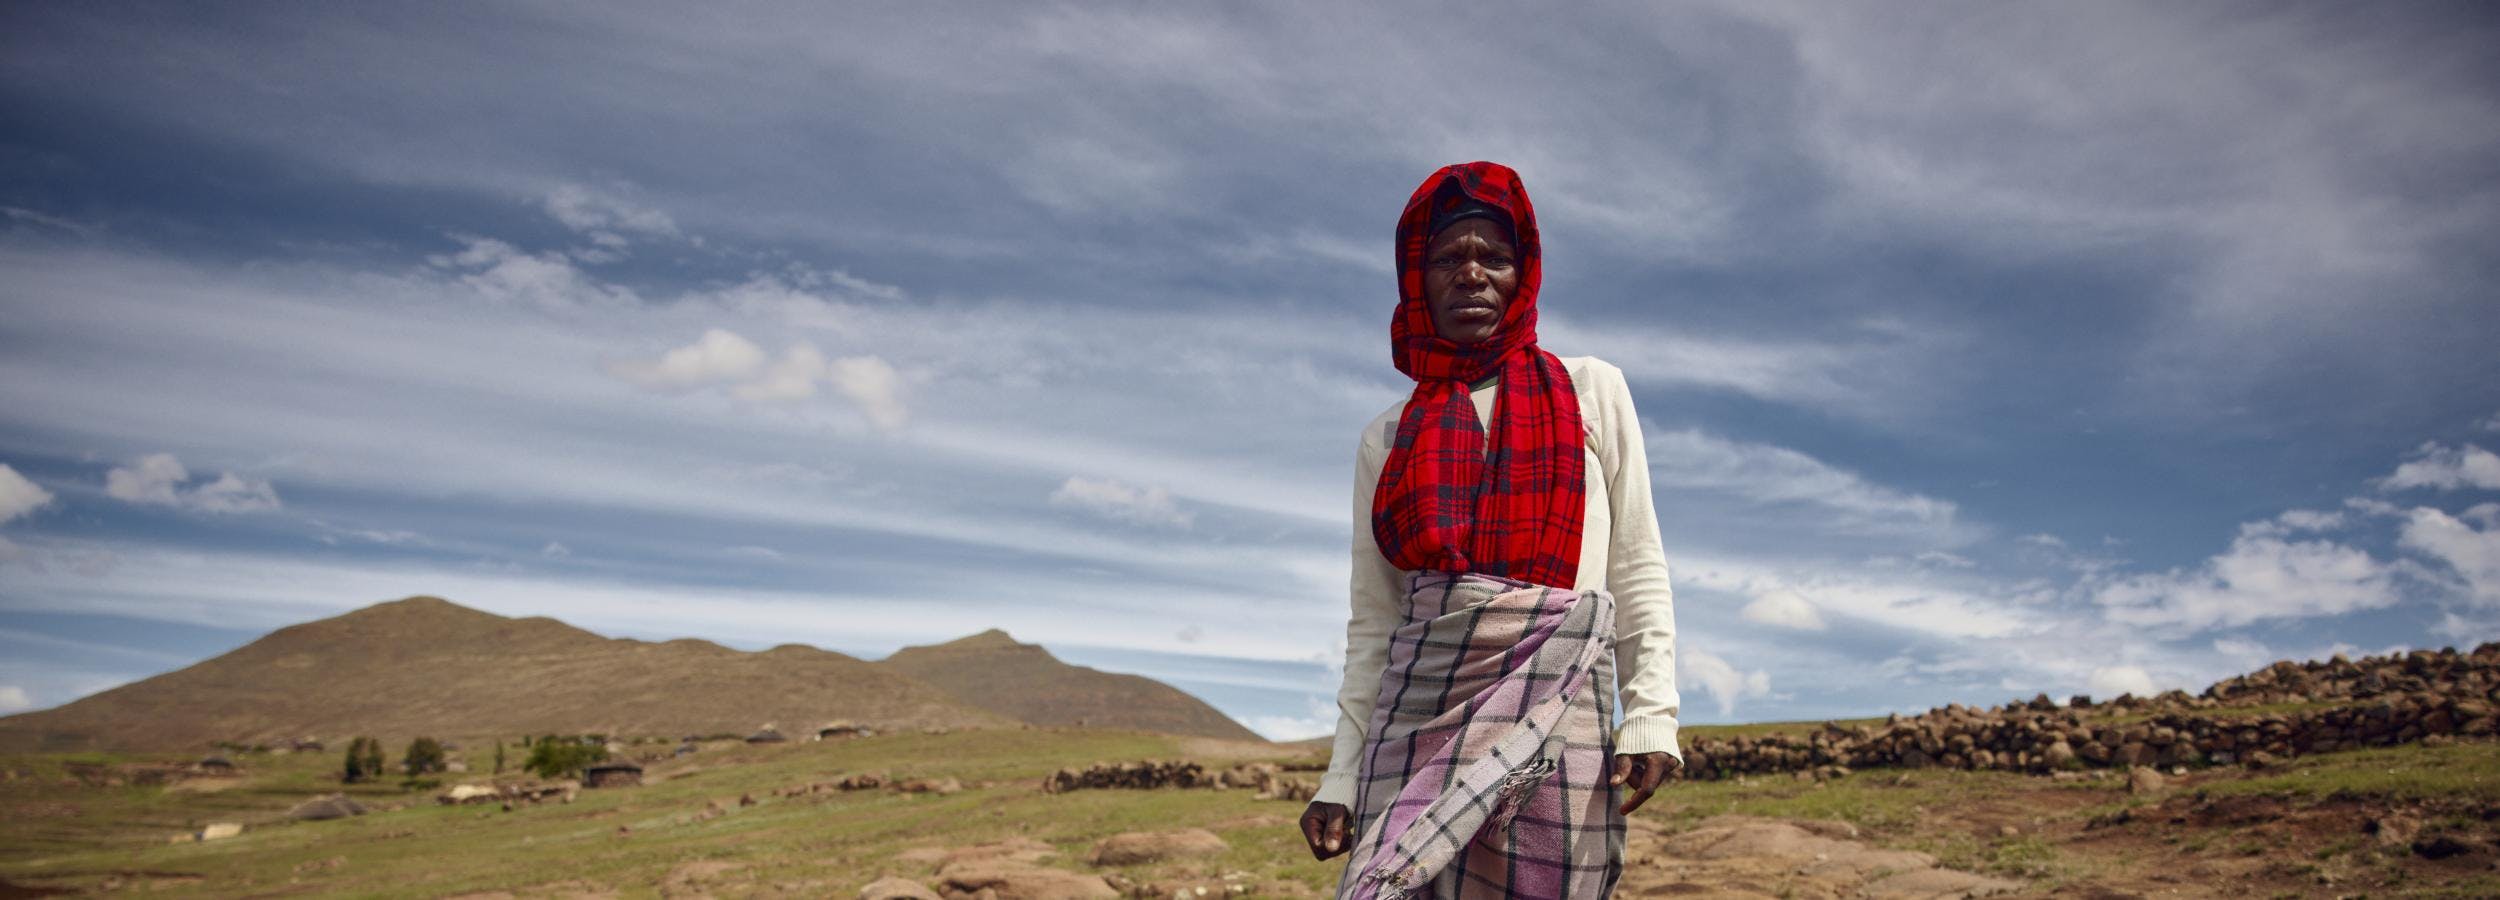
point(1764, 729)
point(2463, 771)
point(825, 844)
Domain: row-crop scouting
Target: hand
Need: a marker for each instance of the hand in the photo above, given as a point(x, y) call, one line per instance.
point(1324, 827)
point(1641, 772)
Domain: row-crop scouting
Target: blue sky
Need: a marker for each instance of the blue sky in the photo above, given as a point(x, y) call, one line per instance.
point(1983, 350)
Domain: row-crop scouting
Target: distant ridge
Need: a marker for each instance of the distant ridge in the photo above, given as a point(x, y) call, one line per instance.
point(425, 665)
point(428, 666)
point(993, 672)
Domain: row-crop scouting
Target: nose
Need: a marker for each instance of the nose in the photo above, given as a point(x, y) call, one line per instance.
point(1473, 274)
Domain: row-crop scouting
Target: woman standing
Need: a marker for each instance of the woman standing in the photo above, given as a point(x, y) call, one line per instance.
point(1506, 560)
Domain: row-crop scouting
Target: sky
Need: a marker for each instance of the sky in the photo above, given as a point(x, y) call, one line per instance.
point(1981, 350)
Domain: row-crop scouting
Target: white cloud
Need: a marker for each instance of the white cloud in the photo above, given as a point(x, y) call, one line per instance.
point(790, 379)
point(2474, 554)
point(13, 699)
point(1690, 459)
point(503, 273)
point(582, 209)
point(1784, 608)
point(2491, 423)
point(873, 384)
point(157, 479)
point(555, 550)
point(2260, 577)
point(1720, 680)
point(2294, 521)
point(19, 496)
point(2446, 468)
point(2110, 681)
point(750, 551)
point(1121, 501)
point(720, 355)
point(723, 357)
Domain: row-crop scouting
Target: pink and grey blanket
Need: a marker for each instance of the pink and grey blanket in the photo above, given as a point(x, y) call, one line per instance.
point(1486, 771)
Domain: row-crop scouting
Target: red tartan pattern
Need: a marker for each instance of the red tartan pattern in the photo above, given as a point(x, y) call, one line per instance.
point(1453, 497)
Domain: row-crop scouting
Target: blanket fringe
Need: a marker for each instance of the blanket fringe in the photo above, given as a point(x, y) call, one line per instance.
point(1515, 785)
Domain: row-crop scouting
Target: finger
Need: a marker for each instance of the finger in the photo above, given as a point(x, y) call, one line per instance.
point(1623, 770)
point(1311, 829)
point(1653, 772)
point(1634, 802)
point(1336, 832)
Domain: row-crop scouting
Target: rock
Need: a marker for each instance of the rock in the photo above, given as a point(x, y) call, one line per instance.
point(467, 793)
point(2439, 847)
point(940, 787)
point(1154, 846)
point(1934, 883)
point(2143, 780)
point(1018, 881)
point(217, 831)
point(896, 889)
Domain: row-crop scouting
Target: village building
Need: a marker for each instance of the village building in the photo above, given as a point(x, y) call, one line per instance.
point(215, 765)
point(767, 736)
point(613, 773)
point(838, 730)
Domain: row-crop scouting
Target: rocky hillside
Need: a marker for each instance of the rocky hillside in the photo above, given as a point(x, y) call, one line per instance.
point(993, 672)
point(2284, 710)
point(424, 665)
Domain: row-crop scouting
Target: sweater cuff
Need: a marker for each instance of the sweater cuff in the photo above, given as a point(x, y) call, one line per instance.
point(1337, 789)
point(1647, 735)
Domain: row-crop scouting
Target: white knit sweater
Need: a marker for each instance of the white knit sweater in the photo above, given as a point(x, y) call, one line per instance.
point(1619, 552)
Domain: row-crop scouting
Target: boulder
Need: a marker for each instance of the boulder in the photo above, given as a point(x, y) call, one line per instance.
point(896, 889)
point(1137, 847)
point(2143, 780)
point(1005, 880)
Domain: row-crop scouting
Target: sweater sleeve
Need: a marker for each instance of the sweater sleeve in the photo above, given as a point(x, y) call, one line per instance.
point(1374, 595)
point(1636, 572)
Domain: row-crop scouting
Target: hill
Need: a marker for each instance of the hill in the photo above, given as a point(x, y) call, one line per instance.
point(424, 665)
point(993, 671)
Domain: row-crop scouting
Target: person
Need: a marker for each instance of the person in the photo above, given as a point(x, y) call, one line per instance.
point(1506, 560)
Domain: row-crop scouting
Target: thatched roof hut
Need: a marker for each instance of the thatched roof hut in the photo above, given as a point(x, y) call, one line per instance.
point(215, 765)
point(333, 806)
point(834, 730)
point(767, 736)
point(613, 773)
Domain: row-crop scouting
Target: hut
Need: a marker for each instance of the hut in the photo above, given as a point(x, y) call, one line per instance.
point(839, 730)
point(324, 808)
point(767, 736)
point(613, 773)
point(215, 765)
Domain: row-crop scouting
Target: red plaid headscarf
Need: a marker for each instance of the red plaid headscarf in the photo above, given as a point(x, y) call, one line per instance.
point(1443, 502)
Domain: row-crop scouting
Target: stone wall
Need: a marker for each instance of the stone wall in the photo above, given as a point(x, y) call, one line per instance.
point(2339, 705)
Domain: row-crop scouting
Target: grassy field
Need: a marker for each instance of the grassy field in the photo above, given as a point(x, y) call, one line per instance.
point(2283, 831)
point(59, 834)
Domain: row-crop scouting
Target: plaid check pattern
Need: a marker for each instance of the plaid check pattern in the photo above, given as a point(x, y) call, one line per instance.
point(1485, 775)
point(1455, 496)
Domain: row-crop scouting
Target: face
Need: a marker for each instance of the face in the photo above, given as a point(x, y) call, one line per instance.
point(1471, 271)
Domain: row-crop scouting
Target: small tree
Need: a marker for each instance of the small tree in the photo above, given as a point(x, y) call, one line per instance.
point(424, 755)
point(373, 758)
point(498, 756)
point(355, 762)
point(552, 757)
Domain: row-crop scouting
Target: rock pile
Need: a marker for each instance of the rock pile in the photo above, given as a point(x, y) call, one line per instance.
point(1268, 779)
point(510, 794)
point(2379, 701)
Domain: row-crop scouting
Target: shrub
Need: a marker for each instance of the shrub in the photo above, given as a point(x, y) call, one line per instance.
point(554, 757)
point(424, 755)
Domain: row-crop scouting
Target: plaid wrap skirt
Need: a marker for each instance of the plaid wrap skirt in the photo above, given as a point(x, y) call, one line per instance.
point(1485, 774)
